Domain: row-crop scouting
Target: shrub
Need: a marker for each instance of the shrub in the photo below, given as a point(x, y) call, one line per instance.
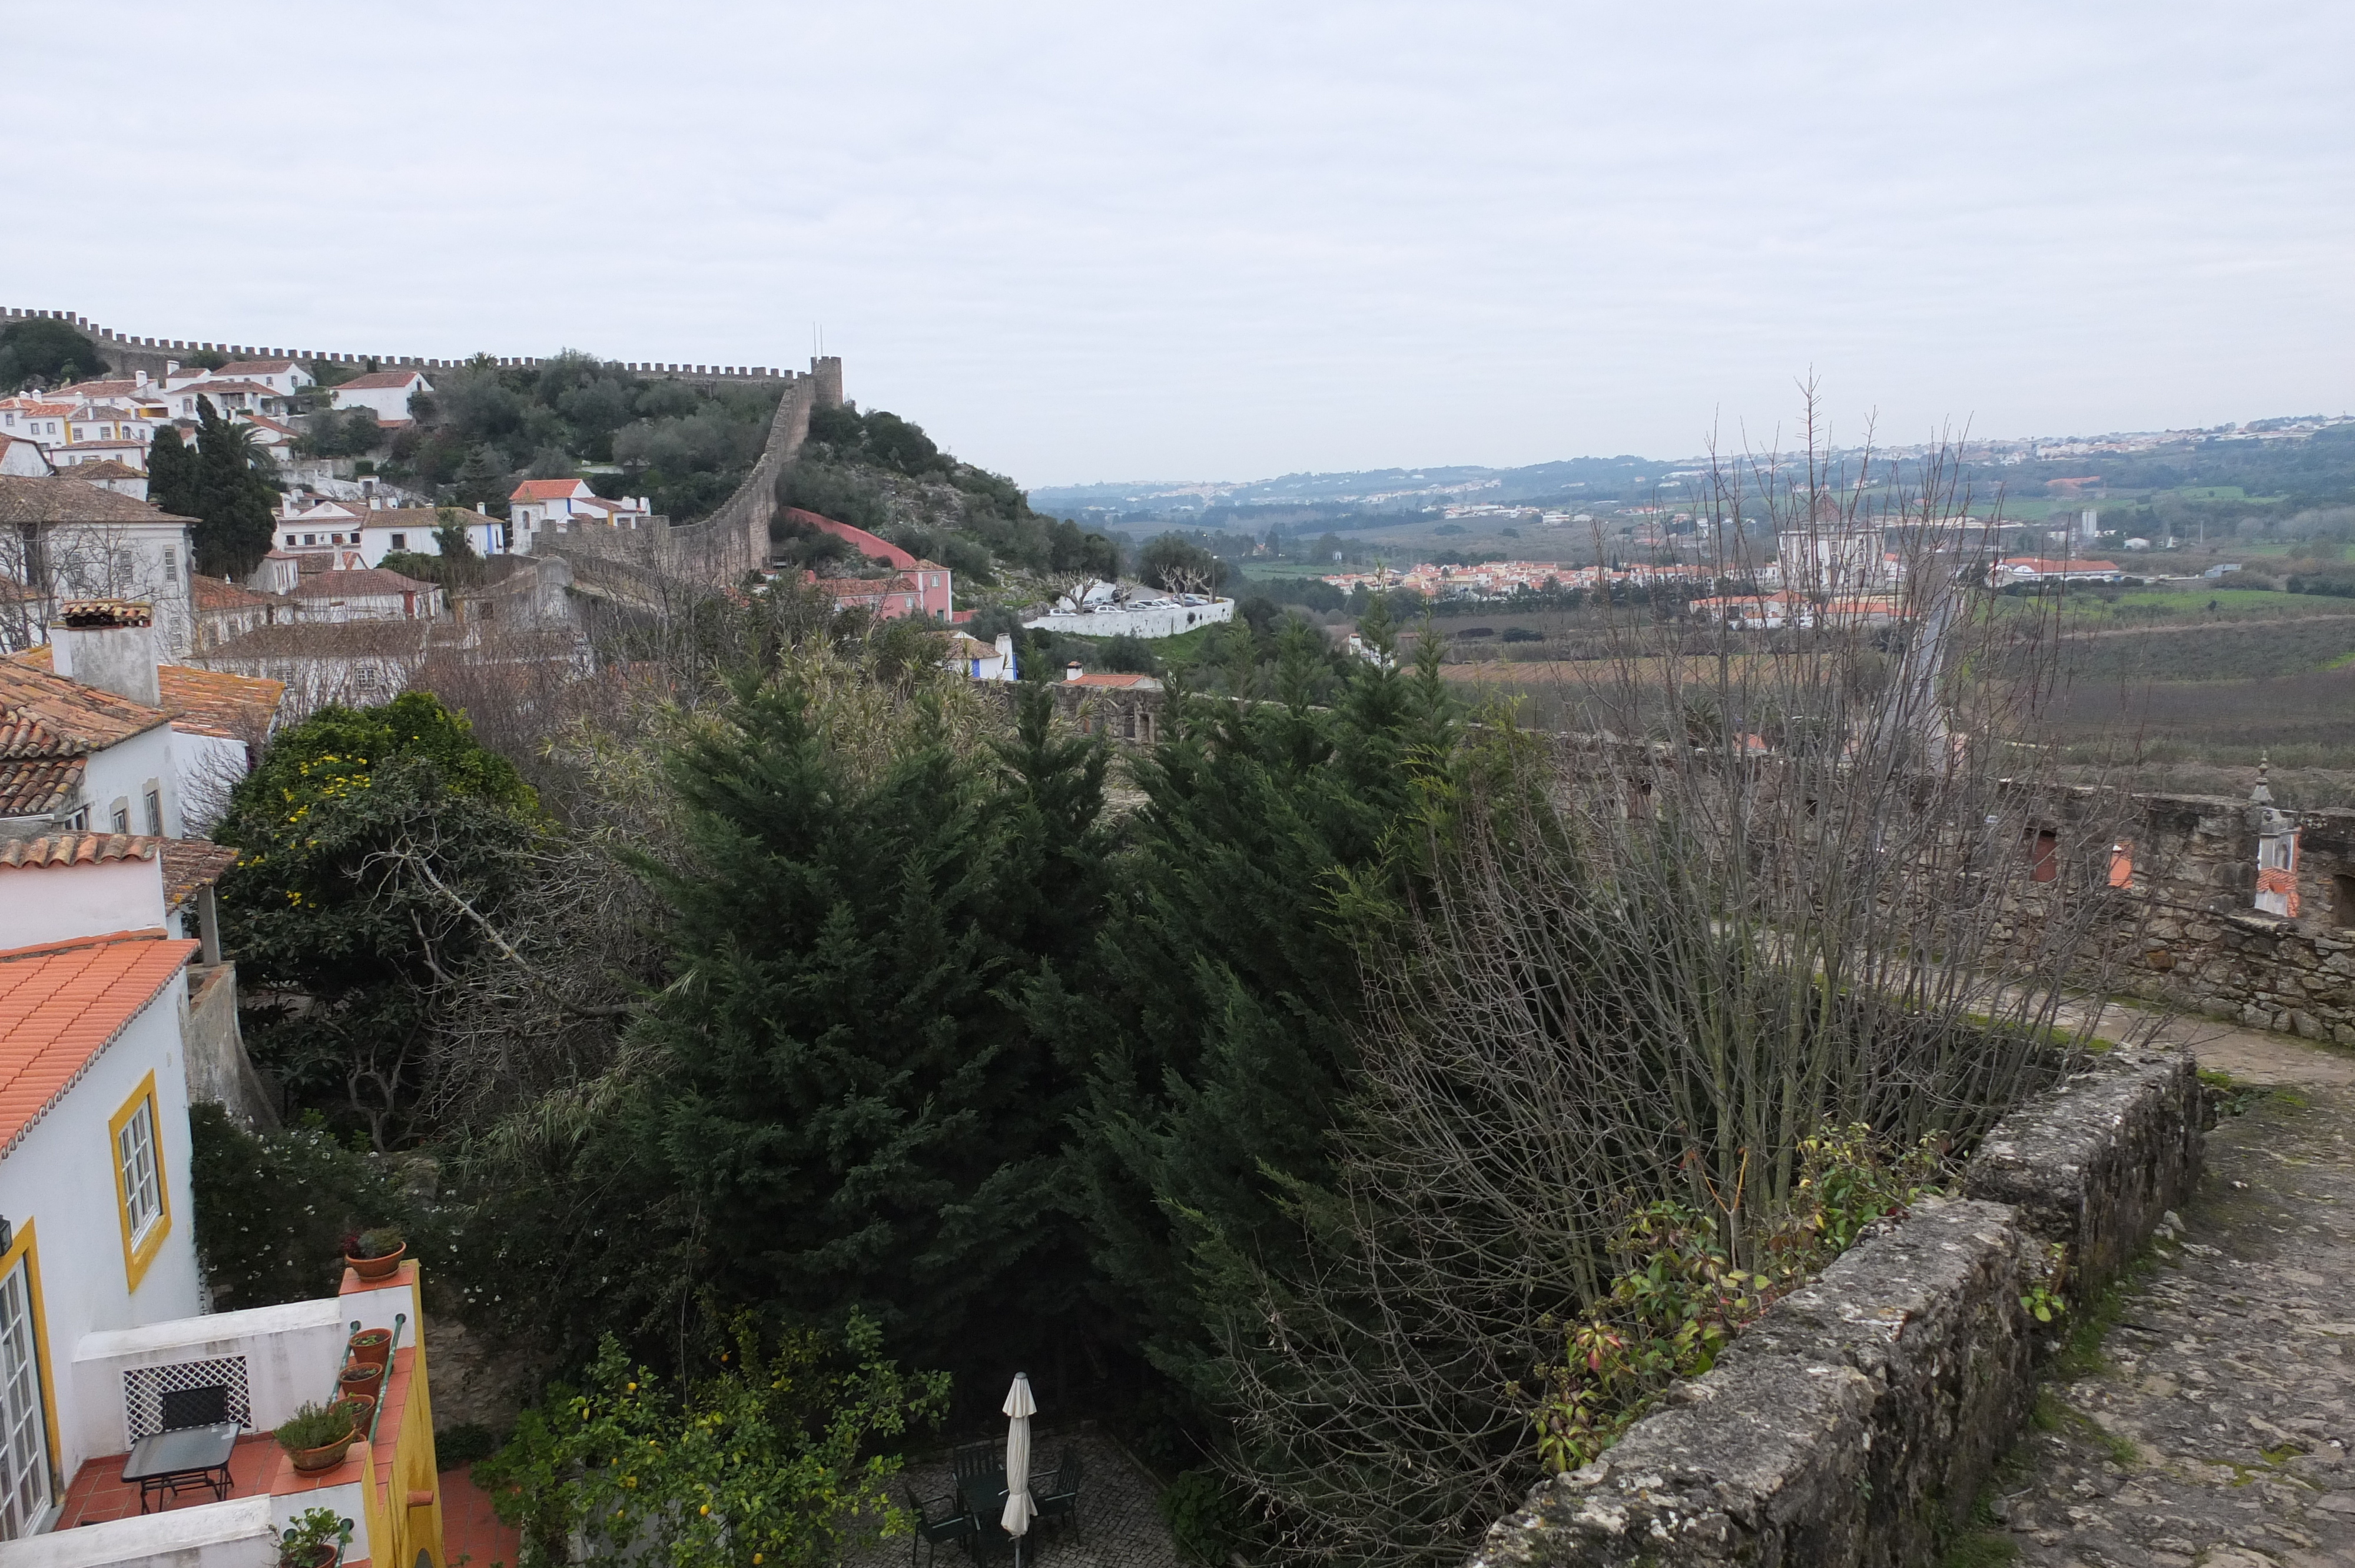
point(315, 1427)
point(463, 1444)
point(1204, 1514)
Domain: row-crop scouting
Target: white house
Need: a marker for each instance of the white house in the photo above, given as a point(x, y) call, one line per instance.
point(39, 419)
point(94, 1180)
point(87, 759)
point(2036, 569)
point(129, 454)
point(972, 657)
point(21, 457)
point(75, 541)
point(387, 392)
point(283, 377)
point(541, 506)
point(102, 1325)
point(371, 593)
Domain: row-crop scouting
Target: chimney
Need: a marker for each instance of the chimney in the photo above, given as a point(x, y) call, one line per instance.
point(109, 643)
point(482, 509)
point(171, 367)
point(1071, 672)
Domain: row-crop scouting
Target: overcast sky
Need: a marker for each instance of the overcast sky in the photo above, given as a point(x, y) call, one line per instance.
point(1211, 240)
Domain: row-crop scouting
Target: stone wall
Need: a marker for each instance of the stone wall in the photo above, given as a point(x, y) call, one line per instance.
point(125, 354)
point(2199, 942)
point(1856, 1420)
point(219, 1071)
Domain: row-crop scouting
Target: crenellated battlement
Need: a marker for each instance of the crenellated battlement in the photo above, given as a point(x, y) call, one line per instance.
point(126, 353)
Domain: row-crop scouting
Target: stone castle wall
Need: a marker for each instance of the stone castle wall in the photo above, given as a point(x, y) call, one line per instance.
point(126, 354)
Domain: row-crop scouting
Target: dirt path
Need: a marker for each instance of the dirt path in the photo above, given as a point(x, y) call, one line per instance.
point(2209, 1426)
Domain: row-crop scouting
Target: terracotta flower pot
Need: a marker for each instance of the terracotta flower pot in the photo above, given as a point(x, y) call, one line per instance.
point(359, 1377)
point(326, 1554)
point(376, 1267)
point(363, 1409)
point(371, 1347)
point(326, 1456)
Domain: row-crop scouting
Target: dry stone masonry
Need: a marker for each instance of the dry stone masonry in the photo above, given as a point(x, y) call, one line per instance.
point(1857, 1421)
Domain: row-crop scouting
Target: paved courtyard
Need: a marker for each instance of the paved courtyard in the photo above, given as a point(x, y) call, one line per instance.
point(1120, 1520)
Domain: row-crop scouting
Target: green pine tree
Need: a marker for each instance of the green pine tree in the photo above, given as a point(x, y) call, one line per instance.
point(480, 482)
point(234, 504)
point(849, 1098)
point(1227, 993)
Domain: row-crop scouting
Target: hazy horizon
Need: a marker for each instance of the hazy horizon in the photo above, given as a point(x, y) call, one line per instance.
point(1080, 248)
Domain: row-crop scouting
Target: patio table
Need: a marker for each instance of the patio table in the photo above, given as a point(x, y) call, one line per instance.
point(190, 1456)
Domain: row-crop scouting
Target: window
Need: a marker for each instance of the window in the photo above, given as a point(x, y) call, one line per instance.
point(24, 1414)
point(139, 1181)
point(290, 539)
point(155, 809)
point(121, 818)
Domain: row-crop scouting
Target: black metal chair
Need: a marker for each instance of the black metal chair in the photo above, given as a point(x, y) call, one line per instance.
point(194, 1407)
point(1058, 1499)
point(975, 1463)
point(936, 1521)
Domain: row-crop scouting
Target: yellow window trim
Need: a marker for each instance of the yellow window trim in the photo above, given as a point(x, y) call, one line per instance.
point(137, 1256)
point(25, 1248)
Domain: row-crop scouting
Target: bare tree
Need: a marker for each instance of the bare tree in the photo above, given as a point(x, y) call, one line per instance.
point(1824, 875)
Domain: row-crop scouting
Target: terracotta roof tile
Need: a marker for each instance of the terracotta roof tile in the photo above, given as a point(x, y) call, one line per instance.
point(192, 864)
point(79, 849)
point(62, 1004)
point(29, 500)
point(368, 581)
point(546, 490)
point(214, 702)
point(35, 786)
point(43, 714)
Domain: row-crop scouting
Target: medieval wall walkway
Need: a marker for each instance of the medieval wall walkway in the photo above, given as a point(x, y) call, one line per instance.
point(2213, 1427)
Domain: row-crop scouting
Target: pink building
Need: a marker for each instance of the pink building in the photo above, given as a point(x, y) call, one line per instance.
point(913, 587)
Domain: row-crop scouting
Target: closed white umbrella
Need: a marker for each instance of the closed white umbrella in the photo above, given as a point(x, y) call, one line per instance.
point(1019, 1510)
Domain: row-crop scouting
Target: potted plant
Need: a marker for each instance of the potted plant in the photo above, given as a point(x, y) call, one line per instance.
point(359, 1377)
point(316, 1436)
point(374, 1254)
point(316, 1539)
point(373, 1346)
point(362, 1409)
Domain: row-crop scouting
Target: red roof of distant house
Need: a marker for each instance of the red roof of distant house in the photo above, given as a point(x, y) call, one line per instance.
point(865, 544)
point(2043, 567)
point(550, 490)
point(61, 1004)
point(366, 582)
point(256, 367)
point(1117, 681)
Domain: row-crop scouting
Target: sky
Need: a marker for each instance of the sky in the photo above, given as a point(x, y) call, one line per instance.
point(1226, 242)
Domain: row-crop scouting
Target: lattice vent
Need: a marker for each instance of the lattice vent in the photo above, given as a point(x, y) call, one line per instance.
point(144, 1389)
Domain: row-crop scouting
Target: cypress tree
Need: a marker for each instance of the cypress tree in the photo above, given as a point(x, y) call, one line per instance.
point(848, 1097)
point(233, 502)
point(1227, 995)
point(172, 474)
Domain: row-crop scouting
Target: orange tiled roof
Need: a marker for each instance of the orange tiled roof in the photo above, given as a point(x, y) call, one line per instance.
point(77, 849)
point(375, 378)
point(548, 490)
point(214, 702)
point(192, 864)
point(43, 714)
point(211, 593)
point(62, 1004)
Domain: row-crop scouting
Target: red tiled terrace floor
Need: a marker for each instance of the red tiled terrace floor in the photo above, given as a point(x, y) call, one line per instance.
point(100, 1493)
point(472, 1534)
